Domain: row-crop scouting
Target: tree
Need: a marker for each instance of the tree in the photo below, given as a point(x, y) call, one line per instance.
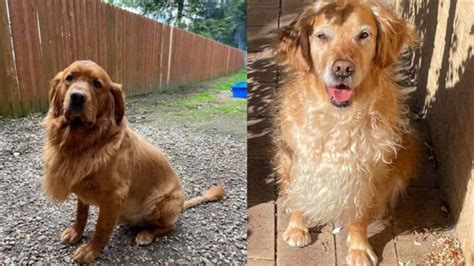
point(221, 20)
point(224, 22)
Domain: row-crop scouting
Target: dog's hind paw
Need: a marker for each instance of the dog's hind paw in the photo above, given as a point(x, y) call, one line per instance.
point(144, 238)
point(297, 237)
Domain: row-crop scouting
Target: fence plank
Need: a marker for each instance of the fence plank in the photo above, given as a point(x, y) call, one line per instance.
point(142, 54)
point(9, 94)
point(18, 29)
point(39, 85)
point(102, 35)
point(65, 33)
point(111, 42)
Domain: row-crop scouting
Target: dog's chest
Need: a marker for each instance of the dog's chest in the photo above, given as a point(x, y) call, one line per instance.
point(334, 165)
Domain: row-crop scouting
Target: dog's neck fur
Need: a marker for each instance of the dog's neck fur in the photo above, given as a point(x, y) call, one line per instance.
point(63, 168)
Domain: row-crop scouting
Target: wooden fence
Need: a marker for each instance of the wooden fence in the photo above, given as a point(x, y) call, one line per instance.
point(38, 38)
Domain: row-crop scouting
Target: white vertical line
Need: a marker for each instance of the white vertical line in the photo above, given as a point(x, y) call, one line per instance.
point(227, 62)
point(14, 59)
point(169, 57)
point(161, 56)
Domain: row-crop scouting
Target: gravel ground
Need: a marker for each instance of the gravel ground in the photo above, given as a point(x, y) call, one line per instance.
point(30, 225)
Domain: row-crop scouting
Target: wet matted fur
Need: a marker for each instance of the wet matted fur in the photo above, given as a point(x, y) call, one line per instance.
point(344, 147)
point(91, 152)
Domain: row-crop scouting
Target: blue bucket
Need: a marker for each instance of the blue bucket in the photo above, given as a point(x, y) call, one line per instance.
point(239, 90)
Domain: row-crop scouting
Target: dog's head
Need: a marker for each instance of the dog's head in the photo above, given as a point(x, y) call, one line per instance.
point(83, 92)
point(343, 43)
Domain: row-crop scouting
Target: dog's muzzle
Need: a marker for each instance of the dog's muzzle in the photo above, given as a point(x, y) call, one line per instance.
point(77, 99)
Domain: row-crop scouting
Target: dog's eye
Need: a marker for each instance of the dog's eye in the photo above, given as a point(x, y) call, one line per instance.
point(97, 84)
point(69, 78)
point(363, 35)
point(322, 36)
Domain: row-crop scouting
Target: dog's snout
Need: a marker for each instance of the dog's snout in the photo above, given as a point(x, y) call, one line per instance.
point(77, 98)
point(343, 68)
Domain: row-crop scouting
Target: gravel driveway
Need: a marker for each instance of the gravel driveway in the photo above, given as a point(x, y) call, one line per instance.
point(30, 225)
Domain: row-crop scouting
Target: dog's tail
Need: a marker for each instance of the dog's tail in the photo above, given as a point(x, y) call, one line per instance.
point(215, 193)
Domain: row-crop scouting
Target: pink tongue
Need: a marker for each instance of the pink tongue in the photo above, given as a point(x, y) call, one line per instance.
point(340, 94)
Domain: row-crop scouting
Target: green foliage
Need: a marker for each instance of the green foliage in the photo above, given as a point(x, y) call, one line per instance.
point(221, 20)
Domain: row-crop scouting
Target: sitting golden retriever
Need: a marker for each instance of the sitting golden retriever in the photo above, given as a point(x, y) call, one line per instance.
point(91, 152)
point(344, 147)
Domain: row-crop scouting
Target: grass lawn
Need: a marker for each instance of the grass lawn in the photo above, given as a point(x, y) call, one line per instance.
point(206, 104)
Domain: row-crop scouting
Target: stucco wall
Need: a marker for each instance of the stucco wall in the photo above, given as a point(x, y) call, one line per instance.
point(445, 94)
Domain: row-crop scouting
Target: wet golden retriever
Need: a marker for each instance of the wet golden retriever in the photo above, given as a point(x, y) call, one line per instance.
point(91, 152)
point(344, 147)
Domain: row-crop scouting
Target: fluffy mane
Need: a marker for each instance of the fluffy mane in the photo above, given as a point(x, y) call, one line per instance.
point(63, 167)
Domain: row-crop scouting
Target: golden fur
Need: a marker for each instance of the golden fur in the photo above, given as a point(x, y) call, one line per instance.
point(91, 152)
point(342, 164)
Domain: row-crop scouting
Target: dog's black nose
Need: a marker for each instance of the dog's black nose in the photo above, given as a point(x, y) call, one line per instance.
point(343, 69)
point(77, 99)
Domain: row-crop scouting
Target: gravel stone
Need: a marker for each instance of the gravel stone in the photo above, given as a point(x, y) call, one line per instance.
point(211, 233)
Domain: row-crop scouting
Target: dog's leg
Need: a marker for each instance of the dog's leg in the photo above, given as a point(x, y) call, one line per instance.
point(283, 161)
point(147, 236)
point(74, 233)
point(360, 251)
point(108, 217)
point(297, 233)
point(161, 221)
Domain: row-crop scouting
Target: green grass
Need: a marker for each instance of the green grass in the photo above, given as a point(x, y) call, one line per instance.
point(220, 84)
point(207, 100)
point(224, 83)
point(192, 101)
point(203, 102)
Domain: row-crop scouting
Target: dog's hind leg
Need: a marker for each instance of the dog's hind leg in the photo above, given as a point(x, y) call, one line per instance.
point(405, 166)
point(148, 235)
point(161, 221)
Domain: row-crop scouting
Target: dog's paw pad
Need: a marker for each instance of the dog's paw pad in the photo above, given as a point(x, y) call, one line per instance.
point(86, 253)
point(361, 257)
point(297, 237)
point(144, 238)
point(70, 236)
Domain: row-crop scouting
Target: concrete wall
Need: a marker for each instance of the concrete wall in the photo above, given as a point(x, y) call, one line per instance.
point(445, 94)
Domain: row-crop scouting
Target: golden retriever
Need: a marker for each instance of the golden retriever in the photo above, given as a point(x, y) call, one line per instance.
point(91, 152)
point(344, 147)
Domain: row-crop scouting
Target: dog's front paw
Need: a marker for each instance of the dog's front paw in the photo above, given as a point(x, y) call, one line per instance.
point(144, 238)
point(86, 253)
point(297, 237)
point(361, 257)
point(70, 236)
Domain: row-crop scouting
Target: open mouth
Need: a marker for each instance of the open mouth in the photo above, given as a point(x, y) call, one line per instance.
point(341, 95)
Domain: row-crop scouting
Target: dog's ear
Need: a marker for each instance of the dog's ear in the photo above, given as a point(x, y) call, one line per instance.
point(118, 102)
point(393, 34)
point(55, 97)
point(292, 47)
